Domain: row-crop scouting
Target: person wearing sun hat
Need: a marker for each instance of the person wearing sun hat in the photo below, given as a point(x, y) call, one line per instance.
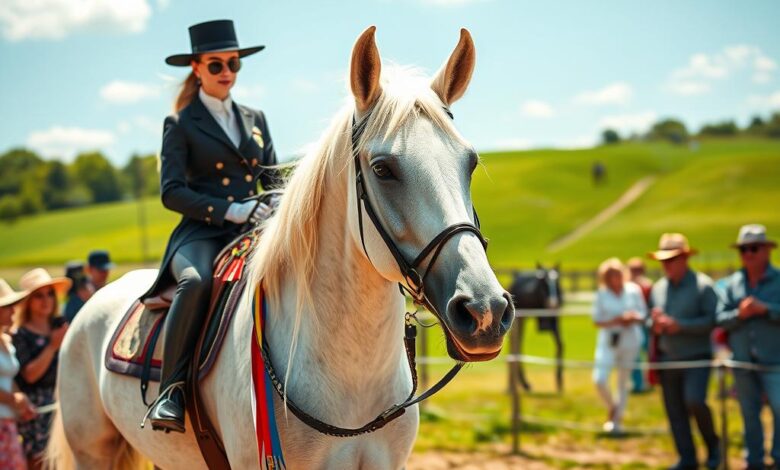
point(213, 154)
point(14, 404)
point(37, 339)
point(749, 309)
point(683, 304)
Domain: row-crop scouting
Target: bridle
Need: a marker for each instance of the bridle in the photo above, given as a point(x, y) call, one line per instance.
point(415, 286)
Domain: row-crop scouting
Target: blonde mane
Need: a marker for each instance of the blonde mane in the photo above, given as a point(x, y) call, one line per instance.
point(290, 243)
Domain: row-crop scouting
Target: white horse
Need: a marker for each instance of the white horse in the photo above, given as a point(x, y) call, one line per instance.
point(335, 321)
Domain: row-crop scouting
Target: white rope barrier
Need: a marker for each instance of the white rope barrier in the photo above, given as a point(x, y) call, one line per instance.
point(587, 364)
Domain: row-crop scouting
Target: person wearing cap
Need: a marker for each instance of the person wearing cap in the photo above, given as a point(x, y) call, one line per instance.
point(618, 311)
point(749, 309)
point(99, 266)
point(214, 151)
point(14, 405)
point(37, 339)
point(81, 289)
point(683, 304)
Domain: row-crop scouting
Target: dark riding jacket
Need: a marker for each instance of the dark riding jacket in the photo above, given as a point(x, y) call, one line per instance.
point(202, 172)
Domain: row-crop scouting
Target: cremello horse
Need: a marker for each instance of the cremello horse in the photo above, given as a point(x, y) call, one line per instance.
point(335, 313)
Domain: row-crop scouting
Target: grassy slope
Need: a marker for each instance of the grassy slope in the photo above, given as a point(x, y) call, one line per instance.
point(525, 200)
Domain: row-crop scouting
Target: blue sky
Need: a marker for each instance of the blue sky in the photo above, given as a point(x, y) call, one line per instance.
point(84, 74)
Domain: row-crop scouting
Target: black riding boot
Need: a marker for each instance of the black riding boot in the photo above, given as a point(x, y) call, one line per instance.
point(191, 267)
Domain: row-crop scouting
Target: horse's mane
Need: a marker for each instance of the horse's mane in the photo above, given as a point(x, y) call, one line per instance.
point(289, 244)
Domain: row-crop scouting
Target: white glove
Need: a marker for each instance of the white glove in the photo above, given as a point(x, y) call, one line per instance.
point(240, 212)
point(262, 212)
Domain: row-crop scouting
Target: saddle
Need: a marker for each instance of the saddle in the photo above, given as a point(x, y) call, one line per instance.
point(134, 349)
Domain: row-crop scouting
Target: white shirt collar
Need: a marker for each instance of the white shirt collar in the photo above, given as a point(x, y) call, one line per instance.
point(215, 105)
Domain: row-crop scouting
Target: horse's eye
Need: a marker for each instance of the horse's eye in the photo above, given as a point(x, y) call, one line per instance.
point(382, 171)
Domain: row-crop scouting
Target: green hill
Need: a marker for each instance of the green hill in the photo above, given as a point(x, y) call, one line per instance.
point(526, 200)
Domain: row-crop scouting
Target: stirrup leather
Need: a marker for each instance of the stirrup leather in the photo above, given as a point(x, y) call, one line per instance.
point(166, 394)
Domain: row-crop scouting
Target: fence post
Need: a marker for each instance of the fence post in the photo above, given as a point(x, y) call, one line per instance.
point(724, 429)
point(514, 349)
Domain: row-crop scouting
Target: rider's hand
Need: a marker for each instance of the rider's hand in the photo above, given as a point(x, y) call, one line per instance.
point(240, 212)
point(262, 212)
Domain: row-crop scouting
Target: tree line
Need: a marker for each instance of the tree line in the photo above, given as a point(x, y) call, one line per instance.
point(29, 184)
point(675, 131)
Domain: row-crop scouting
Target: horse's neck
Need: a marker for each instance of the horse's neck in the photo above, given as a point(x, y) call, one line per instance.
point(350, 341)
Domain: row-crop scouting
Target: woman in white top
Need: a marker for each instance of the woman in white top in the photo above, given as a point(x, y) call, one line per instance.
point(13, 404)
point(618, 311)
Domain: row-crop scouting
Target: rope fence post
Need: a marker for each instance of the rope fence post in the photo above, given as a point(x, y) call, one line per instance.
point(514, 392)
point(724, 429)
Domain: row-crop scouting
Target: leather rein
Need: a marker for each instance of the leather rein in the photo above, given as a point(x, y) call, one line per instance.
point(415, 286)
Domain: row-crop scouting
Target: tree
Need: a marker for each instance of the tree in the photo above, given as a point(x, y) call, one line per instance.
point(773, 126)
point(756, 125)
point(610, 136)
point(142, 176)
point(720, 129)
point(56, 185)
point(96, 173)
point(670, 129)
point(15, 165)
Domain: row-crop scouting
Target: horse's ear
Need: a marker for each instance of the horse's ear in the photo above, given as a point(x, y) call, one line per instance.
point(453, 78)
point(365, 70)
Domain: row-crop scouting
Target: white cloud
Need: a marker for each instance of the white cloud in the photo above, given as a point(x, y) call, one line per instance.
point(581, 142)
point(537, 109)
point(163, 4)
point(768, 102)
point(55, 19)
point(248, 92)
point(66, 142)
point(618, 93)
point(688, 87)
point(121, 92)
point(628, 123)
point(702, 69)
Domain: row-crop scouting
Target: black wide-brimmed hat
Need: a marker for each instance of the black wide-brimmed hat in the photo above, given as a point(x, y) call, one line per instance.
point(212, 36)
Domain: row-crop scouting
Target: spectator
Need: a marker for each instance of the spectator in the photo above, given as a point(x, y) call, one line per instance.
point(636, 274)
point(618, 311)
point(749, 309)
point(99, 266)
point(13, 404)
point(80, 290)
point(37, 341)
point(683, 316)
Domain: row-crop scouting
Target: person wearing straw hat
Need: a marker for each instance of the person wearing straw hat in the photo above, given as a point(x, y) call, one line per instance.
point(14, 405)
point(214, 151)
point(37, 339)
point(618, 312)
point(683, 304)
point(749, 309)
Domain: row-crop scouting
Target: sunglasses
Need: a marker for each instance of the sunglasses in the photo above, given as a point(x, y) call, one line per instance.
point(749, 249)
point(215, 66)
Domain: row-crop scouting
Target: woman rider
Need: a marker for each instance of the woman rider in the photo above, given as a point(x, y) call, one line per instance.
point(213, 153)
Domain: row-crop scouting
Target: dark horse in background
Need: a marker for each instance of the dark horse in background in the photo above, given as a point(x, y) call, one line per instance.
point(538, 289)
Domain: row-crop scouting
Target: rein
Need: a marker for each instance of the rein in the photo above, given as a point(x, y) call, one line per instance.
point(415, 286)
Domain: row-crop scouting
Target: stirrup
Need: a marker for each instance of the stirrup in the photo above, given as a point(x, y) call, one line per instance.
point(164, 394)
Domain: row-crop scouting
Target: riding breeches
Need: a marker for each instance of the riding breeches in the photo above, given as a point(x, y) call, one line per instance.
point(191, 267)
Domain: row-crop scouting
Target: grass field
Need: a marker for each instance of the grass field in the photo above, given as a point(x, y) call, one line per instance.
point(526, 200)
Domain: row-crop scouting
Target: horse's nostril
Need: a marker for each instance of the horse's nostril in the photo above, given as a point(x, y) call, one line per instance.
point(509, 314)
point(463, 318)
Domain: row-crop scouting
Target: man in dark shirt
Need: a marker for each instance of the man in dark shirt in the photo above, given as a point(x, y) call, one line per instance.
point(749, 309)
point(683, 306)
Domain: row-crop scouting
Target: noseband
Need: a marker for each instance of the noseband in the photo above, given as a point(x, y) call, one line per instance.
point(415, 286)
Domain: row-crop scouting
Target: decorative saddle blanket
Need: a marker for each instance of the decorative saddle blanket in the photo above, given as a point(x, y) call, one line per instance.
point(134, 348)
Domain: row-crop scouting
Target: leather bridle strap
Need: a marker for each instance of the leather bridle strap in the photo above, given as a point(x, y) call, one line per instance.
point(384, 417)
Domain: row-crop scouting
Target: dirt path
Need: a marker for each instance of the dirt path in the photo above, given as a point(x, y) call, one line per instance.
point(633, 193)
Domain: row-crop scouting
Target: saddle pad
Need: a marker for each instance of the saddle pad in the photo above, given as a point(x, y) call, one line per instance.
point(132, 340)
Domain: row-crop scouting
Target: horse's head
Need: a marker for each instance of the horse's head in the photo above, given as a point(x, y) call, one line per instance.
point(417, 222)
